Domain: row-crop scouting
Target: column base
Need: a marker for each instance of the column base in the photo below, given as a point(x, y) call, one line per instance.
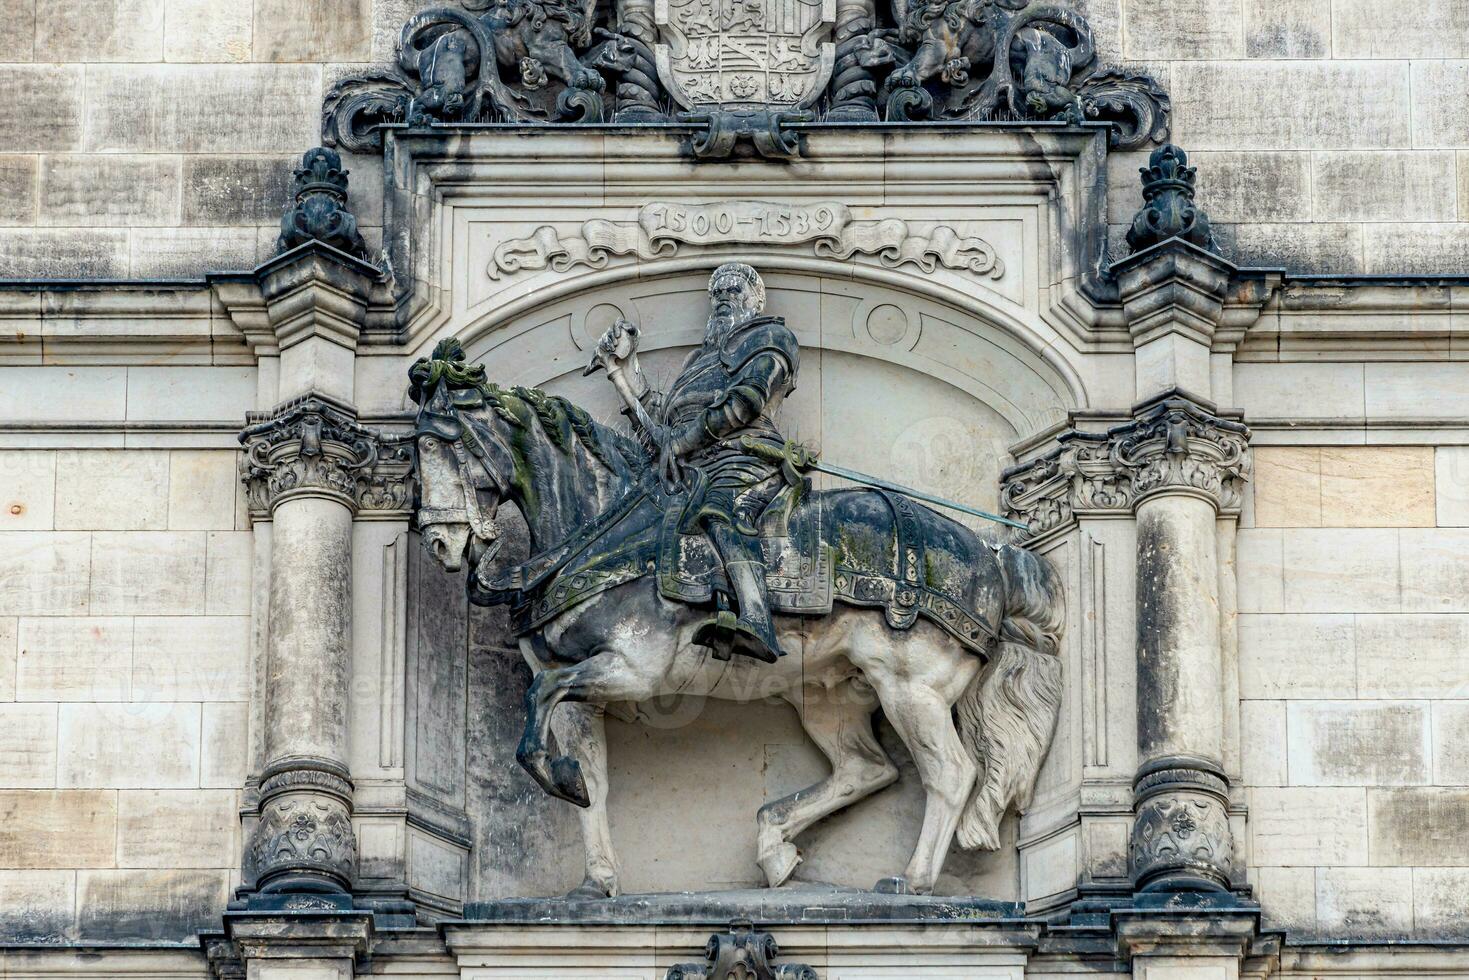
point(1181, 838)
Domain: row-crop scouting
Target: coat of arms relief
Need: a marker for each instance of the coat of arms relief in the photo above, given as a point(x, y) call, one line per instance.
point(733, 69)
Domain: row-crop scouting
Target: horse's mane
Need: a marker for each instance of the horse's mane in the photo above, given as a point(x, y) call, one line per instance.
point(561, 420)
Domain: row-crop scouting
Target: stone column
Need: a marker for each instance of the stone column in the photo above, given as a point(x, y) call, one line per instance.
point(309, 466)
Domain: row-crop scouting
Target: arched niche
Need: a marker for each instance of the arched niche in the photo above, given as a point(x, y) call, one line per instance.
point(894, 381)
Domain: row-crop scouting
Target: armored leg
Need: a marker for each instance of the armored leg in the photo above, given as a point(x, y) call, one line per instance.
point(751, 632)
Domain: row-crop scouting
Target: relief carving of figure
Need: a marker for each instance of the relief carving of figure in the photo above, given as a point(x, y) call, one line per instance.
point(655, 560)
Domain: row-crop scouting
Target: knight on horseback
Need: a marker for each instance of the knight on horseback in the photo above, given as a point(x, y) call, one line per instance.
point(713, 434)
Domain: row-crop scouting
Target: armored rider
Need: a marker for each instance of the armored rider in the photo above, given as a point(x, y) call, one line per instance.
point(715, 421)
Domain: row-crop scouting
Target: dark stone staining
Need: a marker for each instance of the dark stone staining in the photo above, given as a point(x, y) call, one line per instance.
point(148, 906)
point(1168, 209)
point(1160, 575)
point(235, 190)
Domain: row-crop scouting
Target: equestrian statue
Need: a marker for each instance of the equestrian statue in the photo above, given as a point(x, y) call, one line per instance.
point(693, 558)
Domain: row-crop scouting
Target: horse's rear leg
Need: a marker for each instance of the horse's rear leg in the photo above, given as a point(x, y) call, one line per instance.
point(922, 718)
point(839, 721)
point(581, 732)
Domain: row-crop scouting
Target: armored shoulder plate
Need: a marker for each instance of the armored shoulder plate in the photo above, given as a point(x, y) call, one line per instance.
point(763, 333)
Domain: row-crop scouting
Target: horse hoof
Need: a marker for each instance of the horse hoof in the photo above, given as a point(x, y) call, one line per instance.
point(566, 778)
point(587, 891)
point(896, 885)
point(780, 864)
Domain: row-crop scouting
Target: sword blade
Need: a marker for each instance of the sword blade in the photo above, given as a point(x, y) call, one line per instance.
point(873, 481)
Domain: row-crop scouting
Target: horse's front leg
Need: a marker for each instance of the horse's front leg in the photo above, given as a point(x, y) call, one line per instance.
point(581, 731)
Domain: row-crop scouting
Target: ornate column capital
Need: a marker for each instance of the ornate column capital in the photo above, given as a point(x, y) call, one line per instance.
point(1174, 444)
point(741, 952)
point(314, 446)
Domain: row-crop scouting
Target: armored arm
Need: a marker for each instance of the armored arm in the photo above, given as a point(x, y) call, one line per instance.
point(767, 374)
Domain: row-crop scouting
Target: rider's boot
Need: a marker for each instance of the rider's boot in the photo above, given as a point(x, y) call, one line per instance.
point(752, 632)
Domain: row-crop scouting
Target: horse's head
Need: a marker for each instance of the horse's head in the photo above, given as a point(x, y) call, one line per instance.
point(480, 446)
point(459, 487)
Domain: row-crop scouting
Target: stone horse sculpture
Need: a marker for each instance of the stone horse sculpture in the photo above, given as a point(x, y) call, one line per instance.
point(954, 633)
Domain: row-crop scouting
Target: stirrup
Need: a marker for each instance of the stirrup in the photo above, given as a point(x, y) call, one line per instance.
point(725, 633)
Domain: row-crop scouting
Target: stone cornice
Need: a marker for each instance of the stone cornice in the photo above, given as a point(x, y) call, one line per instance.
point(314, 446)
point(1174, 444)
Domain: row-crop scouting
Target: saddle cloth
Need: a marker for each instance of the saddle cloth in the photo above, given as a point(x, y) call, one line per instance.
point(805, 571)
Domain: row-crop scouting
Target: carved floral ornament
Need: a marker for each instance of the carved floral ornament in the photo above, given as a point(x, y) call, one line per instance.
point(1175, 445)
point(310, 446)
point(663, 229)
point(740, 69)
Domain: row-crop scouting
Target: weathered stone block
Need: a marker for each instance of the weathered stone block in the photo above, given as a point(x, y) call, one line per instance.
point(1451, 484)
point(130, 746)
point(57, 828)
point(18, 179)
point(192, 658)
point(1287, 28)
point(110, 190)
point(157, 573)
point(1192, 30)
point(148, 906)
point(1299, 826)
point(1287, 486)
point(177, 828)
point(1377, 486)
point(70, 394)
point(1414, 249)
point(158, 394)
point(191, 252)
point(1385, 185)
point(27, 490)
point(1412, 656)
point(37, 906)
point(201, 489)
point(226, 735)
point(1288, 897)
point(203, 108)
point(236, 190)
point(228, 559)
point(99, 30)
point(1451, 743)
point(27, 745)
point(1279, 390)
point(1438, 902)
point(1421, 826)
point(18, 29)
point(63, 658)
point(1297, 656)
point(313, 30)
point(1254, 187)
point(42, 108)
point(1418, 391)
point(1438, 86)
point(9, 628)
point(1358, 743)
point(1260, 571)
point(1298, 105)
point(1295, 247)
point(1262, 742)
point(51, 253)
point(1436, 29)
point(43, 573)
point(1341, 570)
point(206, 30)
point(1435, 569)
point(112, 489)
point(1364, 902)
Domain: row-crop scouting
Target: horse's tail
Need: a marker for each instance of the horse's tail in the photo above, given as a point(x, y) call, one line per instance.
point(1008, 713)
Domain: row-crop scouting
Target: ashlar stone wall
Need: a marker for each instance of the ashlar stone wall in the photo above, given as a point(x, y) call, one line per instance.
point(1354, 622)
point(124, 688)
point(153, 138)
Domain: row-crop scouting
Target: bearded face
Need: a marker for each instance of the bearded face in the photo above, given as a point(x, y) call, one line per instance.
point(732, 301)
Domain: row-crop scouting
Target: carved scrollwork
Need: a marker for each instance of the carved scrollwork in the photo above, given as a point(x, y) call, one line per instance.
point(744, 77)
point(320, 209)
point(741, 954)
point(1174, 444)
point(662, 229)
point(311, 446)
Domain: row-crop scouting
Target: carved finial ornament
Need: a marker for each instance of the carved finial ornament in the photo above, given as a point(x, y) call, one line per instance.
point(740, 73)
point(320, 210)
point(1168, 209)
point(741, 954)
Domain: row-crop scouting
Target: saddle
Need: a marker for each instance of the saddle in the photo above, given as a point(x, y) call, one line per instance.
point(812, 560)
